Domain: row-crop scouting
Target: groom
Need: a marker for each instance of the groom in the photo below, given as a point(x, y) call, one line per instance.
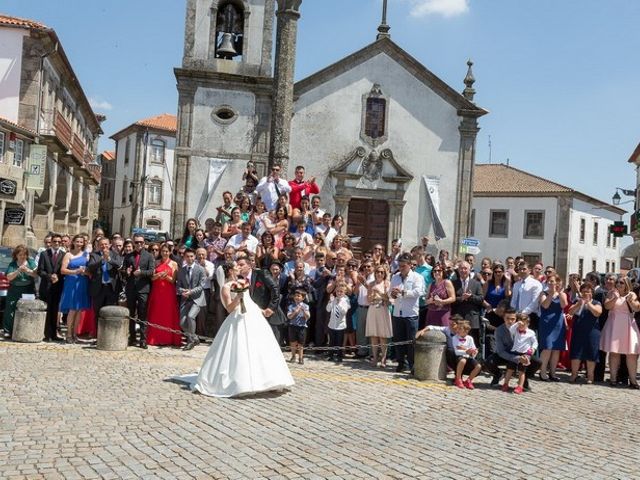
point(264, 292)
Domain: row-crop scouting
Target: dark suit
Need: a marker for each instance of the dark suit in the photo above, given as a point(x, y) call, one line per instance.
point(278, 320)
point(471, 308)
point(137, 290)
point(104, 294)
point(51, 292)
point(264, 292)
point(191, 278)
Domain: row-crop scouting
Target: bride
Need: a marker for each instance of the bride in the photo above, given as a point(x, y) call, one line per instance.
point(244, 357)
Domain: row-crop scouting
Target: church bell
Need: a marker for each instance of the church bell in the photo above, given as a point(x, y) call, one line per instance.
point(226, 48)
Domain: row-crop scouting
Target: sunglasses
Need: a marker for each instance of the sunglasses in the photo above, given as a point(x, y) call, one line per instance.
point(139, 243)
point(275, 169)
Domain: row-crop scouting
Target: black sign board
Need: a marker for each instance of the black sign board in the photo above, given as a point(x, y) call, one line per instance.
point(14, 216)
point(8, 187)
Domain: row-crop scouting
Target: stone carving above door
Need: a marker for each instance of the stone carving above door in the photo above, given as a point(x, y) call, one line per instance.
point(371, 169)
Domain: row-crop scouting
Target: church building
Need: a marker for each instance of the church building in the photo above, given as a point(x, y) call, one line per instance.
point(391, 145)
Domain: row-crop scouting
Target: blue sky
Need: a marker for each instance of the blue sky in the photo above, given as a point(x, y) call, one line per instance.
point(560, 77)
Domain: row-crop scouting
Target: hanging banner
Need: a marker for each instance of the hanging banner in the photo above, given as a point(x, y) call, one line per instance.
point(433, 197)
point(36, 167)
point(217, 166)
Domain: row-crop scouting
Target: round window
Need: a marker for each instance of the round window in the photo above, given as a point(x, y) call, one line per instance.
point(224, 114)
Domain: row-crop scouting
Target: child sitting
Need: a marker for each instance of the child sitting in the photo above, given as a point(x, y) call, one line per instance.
point(524, 344)
point(298, 314)
point(465, 351)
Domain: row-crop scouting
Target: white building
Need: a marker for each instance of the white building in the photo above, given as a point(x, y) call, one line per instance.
point(517, 213)
point(144, 158)
point(50, 186)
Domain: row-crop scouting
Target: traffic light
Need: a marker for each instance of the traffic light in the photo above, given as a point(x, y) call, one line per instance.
point(618, 229)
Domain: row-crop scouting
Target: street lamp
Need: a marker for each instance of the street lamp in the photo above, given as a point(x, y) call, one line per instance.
point(616, 196)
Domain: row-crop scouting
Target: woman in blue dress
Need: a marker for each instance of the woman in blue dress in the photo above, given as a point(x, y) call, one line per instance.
point(585, 333)
point(552, 327)
point(75, 292)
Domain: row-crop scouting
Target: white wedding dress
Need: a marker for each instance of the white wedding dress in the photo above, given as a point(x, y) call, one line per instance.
point(244, 357)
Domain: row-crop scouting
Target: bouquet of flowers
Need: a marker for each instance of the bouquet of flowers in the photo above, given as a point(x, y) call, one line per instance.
point(239, 287)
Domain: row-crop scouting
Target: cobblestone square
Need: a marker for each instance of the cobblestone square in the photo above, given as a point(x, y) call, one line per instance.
point(75, 412)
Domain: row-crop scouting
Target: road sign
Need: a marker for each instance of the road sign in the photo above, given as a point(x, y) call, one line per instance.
point(467, 249)
point(470, 242)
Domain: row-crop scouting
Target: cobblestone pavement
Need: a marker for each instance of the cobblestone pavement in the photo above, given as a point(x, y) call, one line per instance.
point(75, 412)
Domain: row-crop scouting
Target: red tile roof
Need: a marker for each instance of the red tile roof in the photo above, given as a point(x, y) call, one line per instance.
point(164, 121)
point(20, 22)
point(21, 129)
point(108, 155)
point(500, 178)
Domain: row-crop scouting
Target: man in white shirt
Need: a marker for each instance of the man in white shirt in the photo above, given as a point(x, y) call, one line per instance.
point(526, 295)
point(244, 241)
point(407, 287)
point(271, 187)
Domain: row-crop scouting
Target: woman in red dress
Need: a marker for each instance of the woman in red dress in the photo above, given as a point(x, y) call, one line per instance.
point(163, 303)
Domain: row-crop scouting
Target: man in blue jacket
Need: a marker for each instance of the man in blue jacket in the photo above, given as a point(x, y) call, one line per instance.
point(504, 346)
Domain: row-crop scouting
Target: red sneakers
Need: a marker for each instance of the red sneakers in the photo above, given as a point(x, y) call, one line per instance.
point(468, 384)
point(458, 383)
point(518, 390)
point(505, 387)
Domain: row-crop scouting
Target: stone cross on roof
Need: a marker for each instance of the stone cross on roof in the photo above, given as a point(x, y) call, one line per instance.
point(383, 28)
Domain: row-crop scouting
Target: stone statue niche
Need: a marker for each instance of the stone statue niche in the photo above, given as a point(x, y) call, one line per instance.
point(229, 31)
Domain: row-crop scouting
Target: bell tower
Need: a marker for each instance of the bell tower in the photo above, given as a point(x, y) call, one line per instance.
point(225, 87)
point(217, 31)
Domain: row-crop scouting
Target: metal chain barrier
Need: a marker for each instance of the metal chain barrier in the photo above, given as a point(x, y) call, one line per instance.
point(284, 349)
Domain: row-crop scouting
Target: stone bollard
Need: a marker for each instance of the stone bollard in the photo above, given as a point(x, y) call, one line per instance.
point(28, 324)
point(113, 329)
point(430, 362)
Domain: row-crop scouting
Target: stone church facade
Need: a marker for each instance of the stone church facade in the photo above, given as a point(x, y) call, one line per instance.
point(368, 127)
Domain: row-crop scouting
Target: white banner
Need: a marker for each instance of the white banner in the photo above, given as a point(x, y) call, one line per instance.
point(217, 166)
point(433, 197)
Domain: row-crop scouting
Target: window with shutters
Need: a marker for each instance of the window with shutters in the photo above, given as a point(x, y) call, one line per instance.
point(155, 192)
point(157, 151)
point(18, 153)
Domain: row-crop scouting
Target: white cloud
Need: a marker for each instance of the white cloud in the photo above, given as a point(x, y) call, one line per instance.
point(446, 8)
point(98, 104)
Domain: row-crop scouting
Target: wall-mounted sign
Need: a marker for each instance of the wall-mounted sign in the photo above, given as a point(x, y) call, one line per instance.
point(8, 187)
point(14, 216)
point(36, 168)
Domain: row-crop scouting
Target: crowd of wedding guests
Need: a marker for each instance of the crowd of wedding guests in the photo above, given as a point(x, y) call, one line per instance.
point(331, 293)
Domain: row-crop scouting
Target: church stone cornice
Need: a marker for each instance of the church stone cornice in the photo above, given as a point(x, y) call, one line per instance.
point(192, 79)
